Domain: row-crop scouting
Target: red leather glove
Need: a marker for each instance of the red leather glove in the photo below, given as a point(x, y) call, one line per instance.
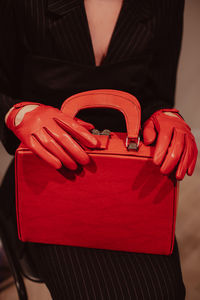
point(175, 146)
point(50, 134)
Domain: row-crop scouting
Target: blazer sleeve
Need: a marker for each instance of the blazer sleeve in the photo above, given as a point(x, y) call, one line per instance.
point(161, 76)
point(10, 62)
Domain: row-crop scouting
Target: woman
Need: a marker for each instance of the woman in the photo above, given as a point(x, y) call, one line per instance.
point(56, 48)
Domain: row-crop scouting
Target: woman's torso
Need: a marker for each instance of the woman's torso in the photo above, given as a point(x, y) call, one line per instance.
point(60, 50)
point(60, 55)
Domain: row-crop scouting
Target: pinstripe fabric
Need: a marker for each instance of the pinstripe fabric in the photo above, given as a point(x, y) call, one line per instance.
point(89, 274)
point(148, 35)
point(147, 32)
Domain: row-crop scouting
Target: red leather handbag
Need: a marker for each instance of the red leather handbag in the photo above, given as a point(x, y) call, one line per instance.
point(119, 201)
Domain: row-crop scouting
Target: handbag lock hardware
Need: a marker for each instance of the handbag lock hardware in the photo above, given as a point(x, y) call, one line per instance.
point(98, 132)
point(132, 144)
point(104, 137)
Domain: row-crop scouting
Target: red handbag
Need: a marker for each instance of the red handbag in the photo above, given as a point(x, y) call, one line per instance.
point(119, 201)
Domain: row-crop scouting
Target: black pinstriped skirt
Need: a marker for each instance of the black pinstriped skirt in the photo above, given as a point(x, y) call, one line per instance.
point(77, 273)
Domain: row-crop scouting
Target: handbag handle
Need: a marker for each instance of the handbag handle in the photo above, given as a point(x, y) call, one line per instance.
point(109, 98)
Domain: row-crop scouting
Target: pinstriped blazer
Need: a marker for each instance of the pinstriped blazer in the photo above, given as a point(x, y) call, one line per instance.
point(58, 29)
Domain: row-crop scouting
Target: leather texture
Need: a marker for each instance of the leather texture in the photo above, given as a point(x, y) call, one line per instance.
point(107, 98)
point(119, 201)
point(176, 148)
point(51, 135)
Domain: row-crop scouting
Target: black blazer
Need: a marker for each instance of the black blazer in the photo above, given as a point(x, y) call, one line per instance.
point(148, 34)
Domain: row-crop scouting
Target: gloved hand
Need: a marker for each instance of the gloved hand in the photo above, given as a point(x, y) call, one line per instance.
point(50, 134)
point(175, 145)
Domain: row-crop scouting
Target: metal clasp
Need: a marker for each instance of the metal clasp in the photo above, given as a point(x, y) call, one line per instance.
point(98, 132)
point(106, 132)
point(133, 144)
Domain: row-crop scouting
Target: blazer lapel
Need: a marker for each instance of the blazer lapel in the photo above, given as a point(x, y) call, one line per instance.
point(70, 31)
point(133, 33)
point(61, 7)
point(141, 9)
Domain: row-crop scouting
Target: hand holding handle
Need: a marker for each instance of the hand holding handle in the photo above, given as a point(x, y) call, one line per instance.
point(50, 134)
point(108, 98)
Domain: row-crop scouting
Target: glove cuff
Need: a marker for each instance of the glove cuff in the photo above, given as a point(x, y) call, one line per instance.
point(10, 121)
point(173, 110)
point(22, 104)
point(167, 110)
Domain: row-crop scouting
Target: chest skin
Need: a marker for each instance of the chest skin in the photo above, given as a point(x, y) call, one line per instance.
point(102, 16)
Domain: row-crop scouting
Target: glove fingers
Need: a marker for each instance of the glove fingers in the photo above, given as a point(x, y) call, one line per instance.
point(162, 144)
point(87, 125)
point(149, 132)
point(77, 131)
point(70, 145)
point(185, 159)
point(54, 148)
point(40, 151)
point(174, 152)
point(194, 158)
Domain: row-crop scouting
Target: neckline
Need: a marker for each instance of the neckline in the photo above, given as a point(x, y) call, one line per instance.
point(113, 35)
